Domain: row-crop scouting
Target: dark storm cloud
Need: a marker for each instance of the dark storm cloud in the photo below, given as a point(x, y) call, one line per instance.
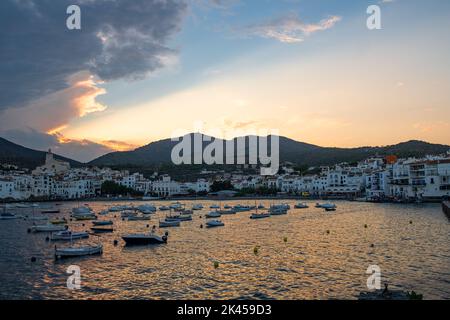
point(118, 39)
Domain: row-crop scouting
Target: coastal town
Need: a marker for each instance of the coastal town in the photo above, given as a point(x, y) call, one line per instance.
point(379, 178)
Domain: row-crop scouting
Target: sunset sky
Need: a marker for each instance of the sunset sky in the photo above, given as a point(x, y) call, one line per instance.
point(140, 71)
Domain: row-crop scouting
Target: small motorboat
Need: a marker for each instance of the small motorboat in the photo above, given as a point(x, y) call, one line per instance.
point(82, 211)
point(73, 251)
point(49, 211)
point(187, 212)
point(214, 206)
point(186, 217)
point(128, 213)
point(138, 218)
point(326, 206)
point(103, 212)
point(102, 230)
point(176, 205)
point(147, 209)
point(38, 218)
point(330, 209)
point(277, 211)
point(261, 206)
point(301, 206)
point(197, 206)
point(145, 239)
point(164, 208)
point(214, 224)
point(227, 206)
point(169, 224)
point(58, 221)
point(255, 216)
point(68, 235)
point(116, 209)
point(85, 217)
point(8, 216)
point(226, 212)
point(48, 228)
point(213, 214)
point(103, 223)
point(239, 208)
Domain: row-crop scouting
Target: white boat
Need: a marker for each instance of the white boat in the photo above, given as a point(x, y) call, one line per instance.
point(164, 208)
point(48, 228)
point(169, 224)
point(116, 209)
point(147, 209)
point(326, 205)
point(227, 206)
point(78, 251)
point(255, 216)
point(176, 205)
point(81, 211)
point(68, 235)
point(213, 214)
point(239, 208)
point(214, 224)
point(281, 206)
point(22, 205)
point(214, 206)
point(277, 211)
point(103, 212)
point(128, 213)
point(197, 206)
point(261, 206)
point(301, 206)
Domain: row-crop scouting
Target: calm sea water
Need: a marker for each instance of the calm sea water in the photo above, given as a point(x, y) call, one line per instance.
point(311, 264)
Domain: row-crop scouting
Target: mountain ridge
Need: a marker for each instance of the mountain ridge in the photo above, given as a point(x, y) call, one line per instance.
point(158, 153)
point(15, 154)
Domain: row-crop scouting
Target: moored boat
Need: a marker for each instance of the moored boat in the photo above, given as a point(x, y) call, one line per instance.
point(144, 239)
point(49, 211)
point(72, 251)
point(102, 223)
point(102, 230)
point(48, 228)
point(68, 235)
point(8, 216)
point(326, 205)
point(301, 206)
point(197, 206)
point(169, 224)
point(214, 224)
point(213, 214)
point(138, 218)
point(59, 221)
point(260, 216)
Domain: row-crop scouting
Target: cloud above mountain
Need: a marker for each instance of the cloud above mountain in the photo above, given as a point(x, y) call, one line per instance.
point(50, 75)
point(118, 39)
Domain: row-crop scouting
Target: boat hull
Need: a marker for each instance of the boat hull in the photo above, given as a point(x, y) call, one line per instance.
point(143, 240)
